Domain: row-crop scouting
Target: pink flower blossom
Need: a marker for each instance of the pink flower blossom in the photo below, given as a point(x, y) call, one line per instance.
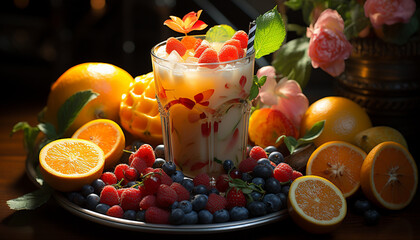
point(285, 96)
point(389, 11)
point(328, 47)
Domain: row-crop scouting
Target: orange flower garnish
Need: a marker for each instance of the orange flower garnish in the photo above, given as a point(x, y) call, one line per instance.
point(188, 23)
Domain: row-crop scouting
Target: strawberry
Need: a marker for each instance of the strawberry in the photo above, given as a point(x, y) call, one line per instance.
point(257, 153)
point(242, 37)
point(147, 202)
point(157, 215)
point(165, 196)
point(115, 211)
point(130, 199)
point(109, 196)
point(247, 165)
point(200, 49)
point(109, 178)
point(202, 179)
point(228, 53)
point(209, 56)
point(181, 191)
point(215, 203)
point(174, 44)
point(235, 198)
point(222, 183)
point(283, 172)
point(296, 174)
point(237, 44)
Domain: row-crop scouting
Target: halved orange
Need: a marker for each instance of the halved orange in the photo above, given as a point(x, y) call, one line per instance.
point(389, 176)
point(340, 163)
point(68, 164)
point(316, 204)
point(108, 135)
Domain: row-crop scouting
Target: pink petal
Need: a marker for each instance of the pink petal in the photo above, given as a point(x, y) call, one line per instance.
point(266, 94)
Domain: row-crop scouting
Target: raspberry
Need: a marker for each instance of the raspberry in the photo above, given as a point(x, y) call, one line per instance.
point(146, 153)
point(109, 178)
point(242, 37)
point(148, 170)
point(215, 203)
point(131, 174)
point(151, 184)
point(283, 172)
point(120, 192)
point(165, 196)
point(147, 202)
point(209, 56)
point(109, 196)
point(164, 178)
point(181, 191)
point(174, 44)
point(202, 179)
point(115, 211)
point(257, 153)
point(157, 215)
point(130, 199)
point(247, 165)
point(119, 170)
point(235, 198)
point(200, 49)
point(228, 53)
point(222, 183)
point(296, 174)
point(237, 44)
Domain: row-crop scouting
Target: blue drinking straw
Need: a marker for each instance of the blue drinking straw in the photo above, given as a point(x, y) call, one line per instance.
point(251, 37)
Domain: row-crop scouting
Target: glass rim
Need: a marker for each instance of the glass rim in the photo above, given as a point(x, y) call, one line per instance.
point(152, 52)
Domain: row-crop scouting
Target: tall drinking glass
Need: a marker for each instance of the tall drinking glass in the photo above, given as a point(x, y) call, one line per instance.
point(204, 110)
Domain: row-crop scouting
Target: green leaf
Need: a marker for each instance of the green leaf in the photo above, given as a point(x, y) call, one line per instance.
point(400, 33)
point(312, 134)
point(29, 134)
point(270, 33)
point(294, 4)
point(293, 61)
point(71, 108)
point(261, 81)
point(48, 129)
point(220, 33)
point(356, 22)
point(290, 143)
point(31, 200)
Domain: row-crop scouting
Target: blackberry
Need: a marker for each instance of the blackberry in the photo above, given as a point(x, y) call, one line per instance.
point(160, 151)
point(276, 157)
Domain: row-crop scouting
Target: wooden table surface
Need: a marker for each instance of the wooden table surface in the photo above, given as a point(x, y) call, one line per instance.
point(51, 221)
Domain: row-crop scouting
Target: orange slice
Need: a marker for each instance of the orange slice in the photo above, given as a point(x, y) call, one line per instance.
point(108, 135)
point(68, 164)
point(389, 176)
point(316, 204)
point(340, 163)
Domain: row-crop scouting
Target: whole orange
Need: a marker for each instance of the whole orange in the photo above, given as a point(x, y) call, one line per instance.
point(343, 117)
point(139, 110)
point(110, 81)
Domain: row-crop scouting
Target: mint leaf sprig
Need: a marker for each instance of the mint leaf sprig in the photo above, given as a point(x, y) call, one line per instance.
point(294, 144)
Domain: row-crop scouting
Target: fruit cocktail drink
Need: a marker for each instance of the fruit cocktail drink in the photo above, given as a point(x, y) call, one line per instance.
point(202, 89)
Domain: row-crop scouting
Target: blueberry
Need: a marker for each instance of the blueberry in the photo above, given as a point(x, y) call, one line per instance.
point(262, 171)
point(70, 196)
point(98, 185)
point(136, 145)
point(264, 161)
point(361, 206)
point(371, 217)
point(130, 215)
point(272, 185)
point(199, 202)
point(257, 208)
point(141, 215)
point(205, 217)
point(177, 216)
point(102, 208)
point(272, 202)
point(221, 216)
point(256, 196)
point(158, 163)
point(169, 168)
point(160, 151)
point(246, 177)
point(131, 184)
point(276, 157)
point(185, 206)
point(283, 198)
point(238, 213)
point(270, 149)
point(87, 189)
point(79, 199)
point(228, 165)
point(259, 182)
point(174, 205)
point(178, 176)
point(188, 184)
point(285, 189)
point(213, 190)
point(91, 201)
point(191, 218)
point(200, 189)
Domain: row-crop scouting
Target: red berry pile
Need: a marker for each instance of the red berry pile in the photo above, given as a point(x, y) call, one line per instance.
point(148, 189)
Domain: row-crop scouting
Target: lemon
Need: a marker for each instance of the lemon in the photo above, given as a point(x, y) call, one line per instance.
point(369, 138)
